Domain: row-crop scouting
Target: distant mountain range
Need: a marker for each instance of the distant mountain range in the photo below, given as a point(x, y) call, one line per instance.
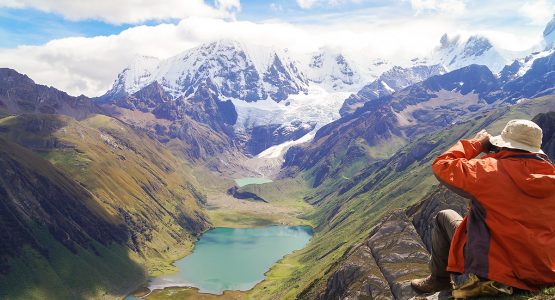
point(260, 91)
point(236, 70)
point(94, 193)
point(252, 98)
point(427, 106)
point(20, 94)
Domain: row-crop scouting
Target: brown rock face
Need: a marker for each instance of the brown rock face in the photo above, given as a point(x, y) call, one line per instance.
point(202, 123)
point(341, 143)
point(394, 253)
point(358, 277)
point(547, 123)
point(423, 214)
point(20, 94)
point(399, 253)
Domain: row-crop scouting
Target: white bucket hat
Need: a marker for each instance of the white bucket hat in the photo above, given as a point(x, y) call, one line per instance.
point(520, 134)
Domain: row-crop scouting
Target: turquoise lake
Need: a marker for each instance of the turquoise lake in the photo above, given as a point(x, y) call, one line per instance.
point(234, 258)
point(251, 180)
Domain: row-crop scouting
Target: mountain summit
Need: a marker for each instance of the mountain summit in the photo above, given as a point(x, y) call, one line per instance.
point(549, 34)
point(332, 69)
point(262, 92)
point(237, 70)
point(456, 52)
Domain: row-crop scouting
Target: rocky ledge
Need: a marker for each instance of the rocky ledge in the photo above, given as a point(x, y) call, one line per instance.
point(396, 251)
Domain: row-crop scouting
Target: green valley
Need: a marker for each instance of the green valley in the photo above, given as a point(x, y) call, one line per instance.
point(193, 155)
point(159, 202)
point(348, 210)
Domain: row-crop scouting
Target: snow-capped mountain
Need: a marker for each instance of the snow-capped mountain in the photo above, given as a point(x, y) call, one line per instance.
point(237, 70)
point(264, 88)
point(389, 82)
point(534, 79)
point(263, 96)
point(456, 52)
point(332, 69)
point(549, 34)
point(134, 77)
point(337, 71)
point(452, 54)
point(520, 66)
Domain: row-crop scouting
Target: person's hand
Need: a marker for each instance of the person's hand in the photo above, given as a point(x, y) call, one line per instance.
point(483, 137)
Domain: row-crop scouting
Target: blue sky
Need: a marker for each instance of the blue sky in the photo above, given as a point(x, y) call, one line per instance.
point(290, 10)
point(80, 46)
point(33, 26)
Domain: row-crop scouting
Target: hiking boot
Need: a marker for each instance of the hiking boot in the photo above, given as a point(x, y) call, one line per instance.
point(431, 284)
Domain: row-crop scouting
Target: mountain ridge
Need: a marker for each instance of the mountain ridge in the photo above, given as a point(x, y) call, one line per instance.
point(20, 94)
point(431, 104)
point(338, 261)
point(241, 71)
point(127, 181)
point(132, 162)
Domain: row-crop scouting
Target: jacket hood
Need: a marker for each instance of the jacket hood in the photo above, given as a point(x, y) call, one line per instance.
point(532, 176)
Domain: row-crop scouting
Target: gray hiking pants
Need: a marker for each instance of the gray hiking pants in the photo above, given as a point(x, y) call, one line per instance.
point(446, 221)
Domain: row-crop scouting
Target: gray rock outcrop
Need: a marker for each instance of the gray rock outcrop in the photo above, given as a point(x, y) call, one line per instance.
point(396, 251)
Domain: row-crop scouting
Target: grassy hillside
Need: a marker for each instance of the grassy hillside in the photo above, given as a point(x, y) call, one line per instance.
point(348, 208)
point(57, 241)
point(133, 183)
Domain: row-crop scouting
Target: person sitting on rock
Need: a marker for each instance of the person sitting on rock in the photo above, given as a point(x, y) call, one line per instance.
point(508, 235)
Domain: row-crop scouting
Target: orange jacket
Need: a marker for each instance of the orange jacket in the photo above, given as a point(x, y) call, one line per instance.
point(509, 234)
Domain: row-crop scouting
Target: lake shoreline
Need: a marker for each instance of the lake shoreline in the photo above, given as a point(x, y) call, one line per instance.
point(241, 182)
point(242, 214)
point(286, 239)
point(144, 284)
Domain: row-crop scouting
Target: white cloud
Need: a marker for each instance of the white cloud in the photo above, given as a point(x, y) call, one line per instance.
point(228, 5)
point(447, 6)
point(539, 12)
point(90, 65)
point(276, 7)
point(128, 11)
point(310, 3)
point(306, 3)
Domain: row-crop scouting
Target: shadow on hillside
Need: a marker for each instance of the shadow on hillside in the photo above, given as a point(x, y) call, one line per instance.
point(56, 240)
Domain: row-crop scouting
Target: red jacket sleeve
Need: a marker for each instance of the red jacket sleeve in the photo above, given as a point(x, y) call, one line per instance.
point(457, 166)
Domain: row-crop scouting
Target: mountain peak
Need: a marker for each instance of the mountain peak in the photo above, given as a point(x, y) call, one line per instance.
point(550, 27)
point(13, 75)
point(446, 41)
point(549, 34)
point(240, 70)
point(476, 46)
point(330, 67)
point(223, 44)
point(456, 52)
point(20, 94)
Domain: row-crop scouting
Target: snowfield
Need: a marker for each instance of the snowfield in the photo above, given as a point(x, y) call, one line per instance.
point(319, 105)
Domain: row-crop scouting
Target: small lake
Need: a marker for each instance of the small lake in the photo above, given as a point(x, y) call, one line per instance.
point(234, 258)
point(251, 180)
